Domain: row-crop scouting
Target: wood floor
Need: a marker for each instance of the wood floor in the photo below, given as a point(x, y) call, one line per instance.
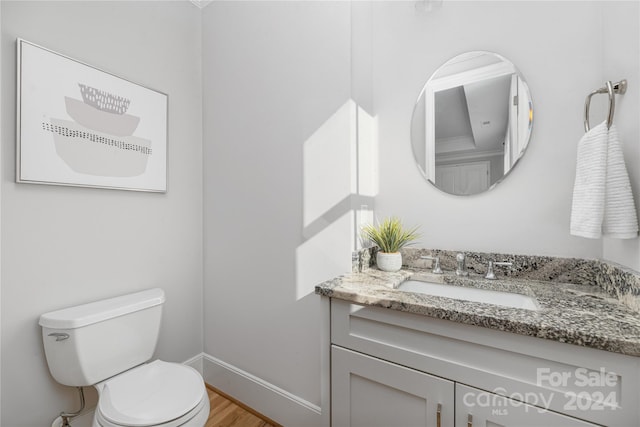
point(226, 413)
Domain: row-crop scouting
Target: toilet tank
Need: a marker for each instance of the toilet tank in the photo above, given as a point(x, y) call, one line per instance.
point(89, 343)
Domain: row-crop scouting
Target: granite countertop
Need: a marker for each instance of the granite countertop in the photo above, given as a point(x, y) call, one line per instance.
point(577, 314)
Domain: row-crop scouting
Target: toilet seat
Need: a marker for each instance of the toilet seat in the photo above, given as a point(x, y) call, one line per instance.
point(156, 394)
point(197, 417)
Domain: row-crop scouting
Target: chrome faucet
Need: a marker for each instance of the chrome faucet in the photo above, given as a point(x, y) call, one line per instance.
point(490, 274)
point(436, 264)
point(461, 269)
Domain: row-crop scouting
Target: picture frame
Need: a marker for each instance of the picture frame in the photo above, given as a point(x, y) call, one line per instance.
point(80, 126)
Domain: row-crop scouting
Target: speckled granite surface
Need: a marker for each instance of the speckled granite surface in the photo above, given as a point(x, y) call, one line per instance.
point(582, 302)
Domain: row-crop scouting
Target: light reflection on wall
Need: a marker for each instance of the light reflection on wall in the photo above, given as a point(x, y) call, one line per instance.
point(339, 184)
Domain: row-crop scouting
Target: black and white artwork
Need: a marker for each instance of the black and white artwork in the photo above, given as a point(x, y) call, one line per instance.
point(81, 126)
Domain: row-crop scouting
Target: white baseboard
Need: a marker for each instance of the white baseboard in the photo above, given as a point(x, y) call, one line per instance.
point(196, 363)
point(268, 399)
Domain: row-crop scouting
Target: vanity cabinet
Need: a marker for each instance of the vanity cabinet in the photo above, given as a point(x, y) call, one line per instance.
point(391, 368)
point(369, 392)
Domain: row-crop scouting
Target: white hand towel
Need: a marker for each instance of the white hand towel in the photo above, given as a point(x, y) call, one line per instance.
point(602, 197)
point(620, 218)
point(587, 210)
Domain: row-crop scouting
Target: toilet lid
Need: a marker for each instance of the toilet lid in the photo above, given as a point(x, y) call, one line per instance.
point(151, 394)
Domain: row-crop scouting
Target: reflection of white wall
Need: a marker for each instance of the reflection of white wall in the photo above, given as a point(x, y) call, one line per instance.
point(65, 246)
point(472, 116)
point(534, 202)
point(488, 105)
point(451, 116)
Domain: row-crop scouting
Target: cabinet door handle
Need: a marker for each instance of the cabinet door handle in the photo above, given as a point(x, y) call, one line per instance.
point(469, 420)
point(438, 415)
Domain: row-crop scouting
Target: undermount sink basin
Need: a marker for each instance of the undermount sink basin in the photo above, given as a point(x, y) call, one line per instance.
point(506, 299)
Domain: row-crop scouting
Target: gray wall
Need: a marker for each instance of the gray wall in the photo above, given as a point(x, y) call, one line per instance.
point(274, 78)
point(528, 212)
point(277, 78)
point(63, 246)
point(622, 60)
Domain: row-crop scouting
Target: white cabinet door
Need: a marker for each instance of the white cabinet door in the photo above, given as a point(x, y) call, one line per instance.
point(369, 392)
point(474, 178)
point(446, 178)
point(463, 178)
point(478, 408)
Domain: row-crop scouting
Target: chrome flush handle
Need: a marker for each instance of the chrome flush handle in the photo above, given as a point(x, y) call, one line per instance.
point(60, 336)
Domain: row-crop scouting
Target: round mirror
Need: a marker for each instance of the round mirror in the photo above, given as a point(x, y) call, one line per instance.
point(471, 123)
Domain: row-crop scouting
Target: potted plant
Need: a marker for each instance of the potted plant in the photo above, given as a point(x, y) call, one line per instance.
point(390, 236)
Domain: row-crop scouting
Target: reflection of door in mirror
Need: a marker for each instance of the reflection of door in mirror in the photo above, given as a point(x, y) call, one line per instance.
point(470, 122)
point(519, 123)
point(464, 178)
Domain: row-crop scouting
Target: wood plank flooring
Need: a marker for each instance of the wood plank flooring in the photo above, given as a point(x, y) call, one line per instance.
point(226, 413)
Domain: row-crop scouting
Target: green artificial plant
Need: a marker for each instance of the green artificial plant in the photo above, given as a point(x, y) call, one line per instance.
point(390, 235)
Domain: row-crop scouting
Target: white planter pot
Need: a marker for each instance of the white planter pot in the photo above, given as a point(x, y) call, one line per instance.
point(389, 262)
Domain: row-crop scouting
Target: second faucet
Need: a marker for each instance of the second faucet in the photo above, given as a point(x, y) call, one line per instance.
point(461, 269)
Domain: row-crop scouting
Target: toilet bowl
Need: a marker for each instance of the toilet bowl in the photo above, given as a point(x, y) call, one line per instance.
point(155, 394)
point(133, 392)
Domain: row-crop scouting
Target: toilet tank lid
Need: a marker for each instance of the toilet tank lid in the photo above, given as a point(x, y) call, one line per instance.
point(94, 312)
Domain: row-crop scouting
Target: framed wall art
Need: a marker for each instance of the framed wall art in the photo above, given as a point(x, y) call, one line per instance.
point(80, 126)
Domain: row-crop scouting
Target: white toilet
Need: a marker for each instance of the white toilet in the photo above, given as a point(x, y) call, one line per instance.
point(107, 344)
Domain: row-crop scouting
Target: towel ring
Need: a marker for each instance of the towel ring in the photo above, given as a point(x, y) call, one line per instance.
point(612, 89)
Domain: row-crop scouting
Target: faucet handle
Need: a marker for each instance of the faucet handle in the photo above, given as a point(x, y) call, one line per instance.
point(490, 274)
point(436, 266)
